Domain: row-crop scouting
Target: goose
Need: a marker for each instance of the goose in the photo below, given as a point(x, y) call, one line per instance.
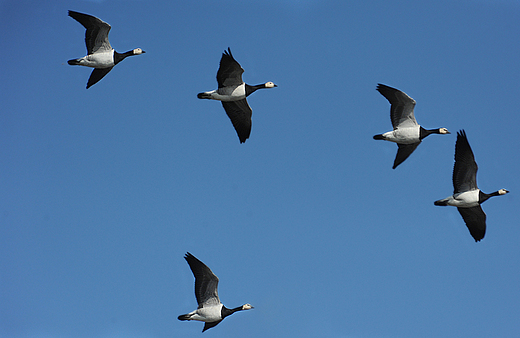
point(232, 92)
point(467, 197)
point(100, 55)
point(210, 310)
point(407, 133)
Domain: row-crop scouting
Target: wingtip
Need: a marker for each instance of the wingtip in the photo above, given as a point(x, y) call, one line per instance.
point(73, 13)
point(380, 86)
point(478, 236)
point(396, 163)
point(228, 52)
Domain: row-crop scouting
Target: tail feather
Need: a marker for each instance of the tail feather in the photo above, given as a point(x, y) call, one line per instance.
point(73, 62)
point(203, 96)
point(184, 317)
point(379, 137)
point(442, 203)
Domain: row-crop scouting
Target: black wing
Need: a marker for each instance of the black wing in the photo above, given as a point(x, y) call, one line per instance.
point(96, 36)
point(475, 219)
point(403, 152)
point(210, 325)
point(230, 72)
point(240, 114)
point(465, 168)
point(96, 75)
point(401, 109)
point(206, 283)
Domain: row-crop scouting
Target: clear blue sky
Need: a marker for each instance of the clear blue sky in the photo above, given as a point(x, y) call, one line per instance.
point(104, 190)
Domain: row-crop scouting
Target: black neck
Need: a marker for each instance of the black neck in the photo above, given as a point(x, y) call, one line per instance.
point(118, 57)
point(425, 132)
point(226, 312)
point(252, 89)
point(482, 196)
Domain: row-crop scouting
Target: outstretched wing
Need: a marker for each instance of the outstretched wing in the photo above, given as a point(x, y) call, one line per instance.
point(96, 36)
point(465, 168)
point(210, 325)
point(96, 75)
point(230, 72)
point(403, 152)
point(401, 106)
point(475, 219)
point(239, 112)
point(206, 283)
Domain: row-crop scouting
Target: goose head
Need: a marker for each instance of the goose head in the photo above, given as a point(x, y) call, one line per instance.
point(138, 51)
point(443, 131)
point(247, 307)
point(502, 191)
point(270, 85)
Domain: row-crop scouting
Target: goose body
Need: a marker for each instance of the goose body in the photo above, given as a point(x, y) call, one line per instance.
point(226, 94)
point(98, 60)
point(467, 197)
point(232, 92)
point(407, 133)
point(100, 54)
point(208, 314)
point(210, 310)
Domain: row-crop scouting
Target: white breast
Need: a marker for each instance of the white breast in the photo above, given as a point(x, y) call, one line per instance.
point(240, 92)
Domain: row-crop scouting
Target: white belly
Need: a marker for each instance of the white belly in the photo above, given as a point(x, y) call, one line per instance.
point(403, 135)
point(208, 314)
point(225, 94)
point(98, 60)
point(467, 199)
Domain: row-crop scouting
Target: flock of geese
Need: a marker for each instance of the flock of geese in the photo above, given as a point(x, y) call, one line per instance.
point(232, 92)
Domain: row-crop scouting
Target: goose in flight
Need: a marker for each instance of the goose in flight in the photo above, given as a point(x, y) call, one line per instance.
point(232, 92)
point(210, 310)
point(407, 133)
point(100, 55)
point(467, 197)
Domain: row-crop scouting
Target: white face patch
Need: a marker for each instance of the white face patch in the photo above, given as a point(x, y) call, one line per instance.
point(247, 307)
point(138, 51)
point(502, 192)
point(444, 131)
point(270, 85)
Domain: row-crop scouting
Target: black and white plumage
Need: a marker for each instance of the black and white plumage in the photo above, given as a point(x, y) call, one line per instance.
point(232, 92)
point(210, 309)
point(467, 197)
point(407, 133)
point(100, 54)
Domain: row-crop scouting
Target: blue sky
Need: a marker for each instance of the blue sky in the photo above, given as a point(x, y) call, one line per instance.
point(105, 189)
